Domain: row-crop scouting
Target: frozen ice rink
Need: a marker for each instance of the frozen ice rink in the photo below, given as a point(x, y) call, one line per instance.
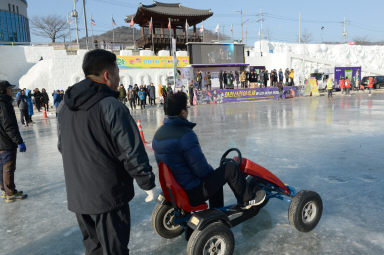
point(334, 148)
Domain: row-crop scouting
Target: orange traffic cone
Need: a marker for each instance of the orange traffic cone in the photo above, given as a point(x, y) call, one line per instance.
point(45, 116)
point(141, 132)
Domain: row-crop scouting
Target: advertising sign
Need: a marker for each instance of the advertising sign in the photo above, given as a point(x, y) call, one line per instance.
point(150, 62)
point(350, 72)
point(240, 95)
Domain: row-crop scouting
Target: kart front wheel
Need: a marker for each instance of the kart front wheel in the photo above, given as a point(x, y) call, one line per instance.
point(305, 210)
point(216, 238)
point(162, 222)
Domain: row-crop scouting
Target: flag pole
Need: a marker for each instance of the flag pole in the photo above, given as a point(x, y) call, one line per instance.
point(113, 34)
point(153, 45)
point(186, 29)
point(170, 35)
point(93, 41)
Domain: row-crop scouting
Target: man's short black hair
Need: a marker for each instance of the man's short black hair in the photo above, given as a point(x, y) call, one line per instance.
point(96, 61)
point(175, 103)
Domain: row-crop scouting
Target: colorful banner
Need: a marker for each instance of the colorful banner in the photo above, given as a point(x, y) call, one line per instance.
point(150, 62)
point(240, 95)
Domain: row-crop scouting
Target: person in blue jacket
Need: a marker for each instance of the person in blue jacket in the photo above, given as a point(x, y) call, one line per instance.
point(177, 145)
point(28, 94)
point(57, 98)
point(141, 94)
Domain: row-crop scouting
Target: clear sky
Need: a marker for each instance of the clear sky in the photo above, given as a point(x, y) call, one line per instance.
point(365, 19)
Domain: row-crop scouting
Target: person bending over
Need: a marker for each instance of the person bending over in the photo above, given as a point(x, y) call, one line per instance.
point(177, 145)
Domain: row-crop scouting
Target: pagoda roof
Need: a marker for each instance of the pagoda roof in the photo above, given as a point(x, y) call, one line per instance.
point(161, 12)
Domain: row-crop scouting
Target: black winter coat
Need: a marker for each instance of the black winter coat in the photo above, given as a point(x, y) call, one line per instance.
point(9, 130)
point(101, 148)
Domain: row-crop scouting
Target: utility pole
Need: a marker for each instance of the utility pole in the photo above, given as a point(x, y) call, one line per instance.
point(299, 27)
point(74, 14)
point(345, 31)
point(246, 34)
point(261, 25)
point(241, 14)
point(85, 24)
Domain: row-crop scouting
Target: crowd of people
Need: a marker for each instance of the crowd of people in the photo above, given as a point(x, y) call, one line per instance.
point(143, 95)
point(247, 79)
point(26, 100)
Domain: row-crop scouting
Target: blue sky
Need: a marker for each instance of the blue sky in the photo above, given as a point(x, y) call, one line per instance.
point(364, 18)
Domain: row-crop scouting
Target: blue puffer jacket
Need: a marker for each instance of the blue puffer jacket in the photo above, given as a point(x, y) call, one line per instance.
point(177, 145)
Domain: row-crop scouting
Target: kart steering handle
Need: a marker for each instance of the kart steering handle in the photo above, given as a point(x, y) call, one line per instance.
point(224, 157)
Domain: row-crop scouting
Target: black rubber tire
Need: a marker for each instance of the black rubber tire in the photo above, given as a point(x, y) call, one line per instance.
point(295, 212)
point(159, 222)
point(200, 238)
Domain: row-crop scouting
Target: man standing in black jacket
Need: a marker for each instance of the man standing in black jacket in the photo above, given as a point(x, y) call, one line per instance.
point(102, 153)
point(10, 139)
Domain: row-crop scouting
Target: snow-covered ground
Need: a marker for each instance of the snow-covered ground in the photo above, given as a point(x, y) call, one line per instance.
point(334, 148)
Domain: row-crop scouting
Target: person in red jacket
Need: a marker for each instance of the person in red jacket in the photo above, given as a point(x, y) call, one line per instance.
point(347, 84)
point(370, 85)
point(342, 84)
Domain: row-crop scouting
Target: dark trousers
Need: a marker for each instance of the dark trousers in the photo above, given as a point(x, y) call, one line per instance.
point(132, 103)
point(106, 233)
point(38, 105)
point(7, 171)
point(212, 187)
point(329, 92)
point(46, 106)
point(142, 104)
point(199, 85)
point(24, 116)
point(348, 91)
point(152, 101)
point(221, 84)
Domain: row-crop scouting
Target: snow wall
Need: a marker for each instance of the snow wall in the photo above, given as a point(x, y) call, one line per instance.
point(308, 58)
point(58, 70)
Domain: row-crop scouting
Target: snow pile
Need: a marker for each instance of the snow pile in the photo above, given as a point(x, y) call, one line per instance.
point(309, 58)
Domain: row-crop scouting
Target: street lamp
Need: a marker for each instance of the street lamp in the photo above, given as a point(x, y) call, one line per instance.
point(75, 15)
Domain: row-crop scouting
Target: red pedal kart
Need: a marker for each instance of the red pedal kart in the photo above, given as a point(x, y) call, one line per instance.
point(208, 230)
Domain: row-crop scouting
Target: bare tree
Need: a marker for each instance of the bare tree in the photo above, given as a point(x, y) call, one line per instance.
point(52, 26)
point(306, 37)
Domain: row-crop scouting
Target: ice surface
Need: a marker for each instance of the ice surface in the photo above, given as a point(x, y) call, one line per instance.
point(332, 148)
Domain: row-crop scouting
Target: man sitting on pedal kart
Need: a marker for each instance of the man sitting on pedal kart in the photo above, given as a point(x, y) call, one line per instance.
point(177, 146)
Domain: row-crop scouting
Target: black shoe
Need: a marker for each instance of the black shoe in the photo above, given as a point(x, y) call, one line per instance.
point(257, 200)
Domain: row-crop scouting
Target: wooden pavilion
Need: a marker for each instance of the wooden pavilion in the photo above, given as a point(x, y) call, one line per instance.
point(163, 15)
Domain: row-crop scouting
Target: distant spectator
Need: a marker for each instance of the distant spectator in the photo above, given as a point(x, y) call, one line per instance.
point(208, 81)
point(23, 107)
point(286, 76)
point(44, 99)
point(122, 93)
point(131, 98)
point(141, 95)
point(291, 78)
point(281, 78)
point(37, 96)
point(152, 94)
point(56, 99)
point(28, 94)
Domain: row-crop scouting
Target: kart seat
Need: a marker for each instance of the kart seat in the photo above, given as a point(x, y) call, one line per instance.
point(174, 193)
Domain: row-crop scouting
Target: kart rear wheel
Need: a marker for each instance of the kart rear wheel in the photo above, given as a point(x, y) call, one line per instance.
point(305, 210)
point(162, 222)
point(216, 238)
